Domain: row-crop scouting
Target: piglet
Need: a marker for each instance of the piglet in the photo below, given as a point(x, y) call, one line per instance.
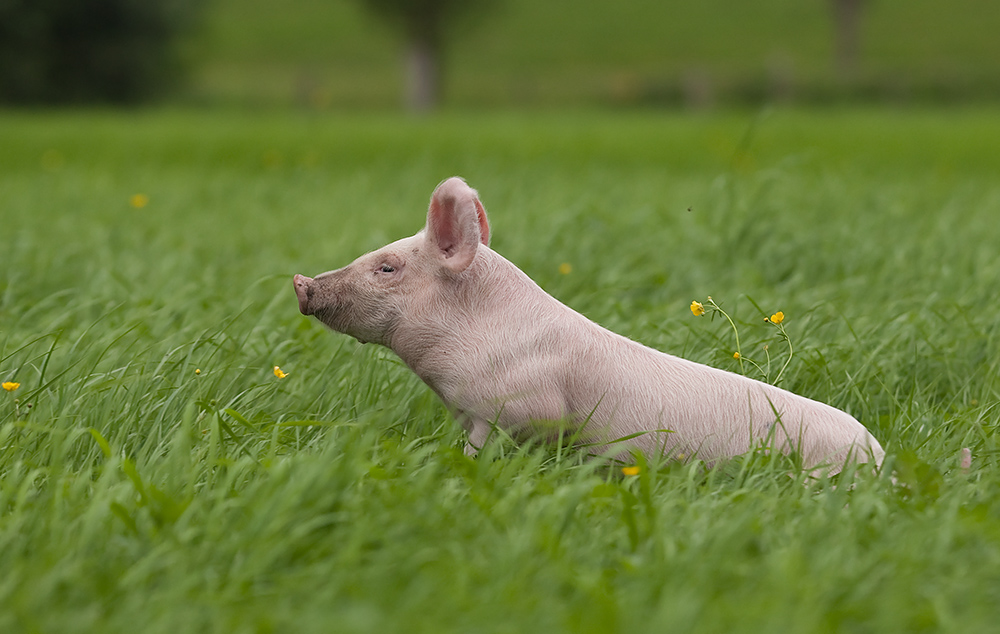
point(502, 353)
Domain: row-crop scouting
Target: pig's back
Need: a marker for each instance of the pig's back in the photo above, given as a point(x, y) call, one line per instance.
point(630, 388)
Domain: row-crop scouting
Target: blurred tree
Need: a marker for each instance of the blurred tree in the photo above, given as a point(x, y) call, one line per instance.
point(425, 25)
point(86, 51)
point(847, 27)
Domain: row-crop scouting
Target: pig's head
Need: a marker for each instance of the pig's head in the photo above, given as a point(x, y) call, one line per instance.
point(368, 298)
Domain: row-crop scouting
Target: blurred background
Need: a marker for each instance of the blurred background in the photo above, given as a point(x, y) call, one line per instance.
point(461, 54)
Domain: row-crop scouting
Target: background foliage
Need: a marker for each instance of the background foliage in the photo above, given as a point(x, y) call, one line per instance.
point(322, 54)
point(336, 54)
point(105, 51)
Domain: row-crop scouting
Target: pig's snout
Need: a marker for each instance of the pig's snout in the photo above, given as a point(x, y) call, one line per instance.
point(304, 291)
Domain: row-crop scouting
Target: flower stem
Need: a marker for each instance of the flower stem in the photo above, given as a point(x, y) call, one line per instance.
point(711, 302)
point(791, 351)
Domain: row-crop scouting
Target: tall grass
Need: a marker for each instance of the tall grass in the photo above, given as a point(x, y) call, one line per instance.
point(155, 474)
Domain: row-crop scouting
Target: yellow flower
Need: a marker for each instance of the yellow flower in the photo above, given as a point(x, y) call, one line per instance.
point(197, 370)
point(777, 317)
point(736, 355)
point(565, 268)
point(10, 386)
point(138, 201)
point(697, 309)
point(630, 470)
point(278, 373)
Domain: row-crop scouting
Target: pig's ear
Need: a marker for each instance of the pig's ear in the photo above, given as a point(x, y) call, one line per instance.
point(456, 224)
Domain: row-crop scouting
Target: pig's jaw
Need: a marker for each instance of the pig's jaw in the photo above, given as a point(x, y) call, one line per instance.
point(303, 290)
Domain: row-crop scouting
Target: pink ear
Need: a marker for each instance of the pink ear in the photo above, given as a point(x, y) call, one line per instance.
point(456, 224)
point(484, 224)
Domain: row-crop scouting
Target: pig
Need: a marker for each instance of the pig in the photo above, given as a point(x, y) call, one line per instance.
point(503, 354)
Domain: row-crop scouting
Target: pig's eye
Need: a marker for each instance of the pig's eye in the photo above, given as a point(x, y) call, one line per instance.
point(387, 269)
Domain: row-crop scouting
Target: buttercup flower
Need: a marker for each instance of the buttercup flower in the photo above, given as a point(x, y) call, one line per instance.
point(139, 201)
point(278, 373)
point(736, 355)
point(697, 309)
point(565, 268)
point(630, 470)
point(777, 317)
point(10, 386)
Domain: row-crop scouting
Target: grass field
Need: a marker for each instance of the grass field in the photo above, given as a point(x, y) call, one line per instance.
point(156, 476)
point(322, 53)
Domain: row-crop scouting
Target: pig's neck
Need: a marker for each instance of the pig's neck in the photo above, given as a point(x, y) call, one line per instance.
point(491, 309)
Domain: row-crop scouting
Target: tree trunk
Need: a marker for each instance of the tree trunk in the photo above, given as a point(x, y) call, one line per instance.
point(847, 25)
point(423, 73)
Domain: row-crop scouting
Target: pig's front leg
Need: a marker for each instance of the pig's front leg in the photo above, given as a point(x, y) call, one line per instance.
point(479, 432)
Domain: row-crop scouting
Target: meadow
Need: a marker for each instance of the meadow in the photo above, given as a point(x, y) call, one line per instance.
point(156, 475)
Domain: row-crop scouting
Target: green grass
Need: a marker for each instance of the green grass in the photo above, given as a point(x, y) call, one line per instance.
point(528, 52)
point(139, 495)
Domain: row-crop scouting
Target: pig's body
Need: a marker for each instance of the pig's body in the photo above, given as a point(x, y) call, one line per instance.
point(500, 351)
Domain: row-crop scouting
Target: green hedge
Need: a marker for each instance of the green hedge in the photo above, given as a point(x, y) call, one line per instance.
point(90, 51)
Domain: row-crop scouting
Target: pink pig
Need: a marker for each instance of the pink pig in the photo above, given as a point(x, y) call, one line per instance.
point(503, 353)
